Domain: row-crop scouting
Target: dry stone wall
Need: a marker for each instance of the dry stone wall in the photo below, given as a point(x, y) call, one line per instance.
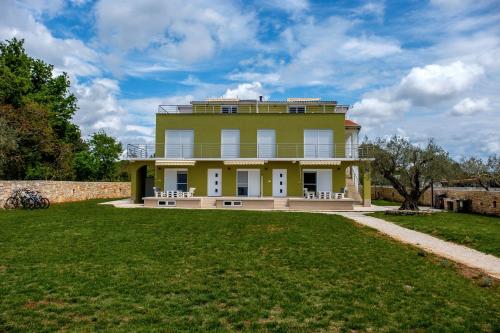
point(62, 191)
point(483, 202)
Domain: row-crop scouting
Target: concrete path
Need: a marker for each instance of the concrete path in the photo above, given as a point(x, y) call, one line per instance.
point(487, 263)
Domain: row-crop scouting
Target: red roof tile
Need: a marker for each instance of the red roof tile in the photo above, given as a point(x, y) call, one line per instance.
point(350, 123)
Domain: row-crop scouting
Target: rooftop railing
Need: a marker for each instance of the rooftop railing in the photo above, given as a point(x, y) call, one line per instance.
point(213, 108)
point(247, 150)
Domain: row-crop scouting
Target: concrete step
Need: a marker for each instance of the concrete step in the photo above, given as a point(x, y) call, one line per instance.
point(207, 202)
point(280, 203)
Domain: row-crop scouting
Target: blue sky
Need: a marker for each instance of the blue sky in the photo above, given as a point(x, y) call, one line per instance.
point(418, 69)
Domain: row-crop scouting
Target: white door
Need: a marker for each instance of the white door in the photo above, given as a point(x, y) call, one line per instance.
point(214, 182)
point(254, 183)
point(279, 182)
point(324, 180)
point(265, 143)
point(230, 144)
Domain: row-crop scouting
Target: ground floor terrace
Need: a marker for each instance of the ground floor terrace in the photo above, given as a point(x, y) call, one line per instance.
point(252, 184)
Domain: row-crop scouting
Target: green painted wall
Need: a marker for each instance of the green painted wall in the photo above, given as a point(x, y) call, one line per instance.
point(289, 129)
point(137, 177)
point(197, 177)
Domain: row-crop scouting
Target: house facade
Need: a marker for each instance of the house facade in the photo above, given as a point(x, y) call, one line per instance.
point(254, 154)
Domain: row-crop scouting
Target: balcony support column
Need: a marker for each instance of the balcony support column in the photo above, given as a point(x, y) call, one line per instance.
point(367, 185)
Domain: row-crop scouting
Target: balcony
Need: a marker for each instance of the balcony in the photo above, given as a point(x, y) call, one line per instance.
point(280, 151)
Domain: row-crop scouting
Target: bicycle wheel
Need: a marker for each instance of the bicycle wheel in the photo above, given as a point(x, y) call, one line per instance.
point(10, 203)
point(28, 203)
point(45, 203)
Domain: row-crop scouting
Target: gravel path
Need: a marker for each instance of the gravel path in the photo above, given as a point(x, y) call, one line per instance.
point(487, 263)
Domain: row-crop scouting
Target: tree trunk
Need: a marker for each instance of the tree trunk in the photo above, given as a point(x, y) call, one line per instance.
point(410, 203)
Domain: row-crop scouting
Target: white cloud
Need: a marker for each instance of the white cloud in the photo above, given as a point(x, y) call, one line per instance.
point(99, 108)
point(184, 30)
point(295, 6)
point(374, 110)
point(434, 83)
point(66, 54)
point(321, 49)
point(245, 91)
point(369, 47)
point(469, 106)
point(254, 76)
point(422, 86)
point(376, 9)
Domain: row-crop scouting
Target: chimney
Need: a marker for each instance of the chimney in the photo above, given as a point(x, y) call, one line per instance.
point(260, 98)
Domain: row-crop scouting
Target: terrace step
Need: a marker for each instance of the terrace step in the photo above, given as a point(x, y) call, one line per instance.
point(208, 202)
point(280, 203)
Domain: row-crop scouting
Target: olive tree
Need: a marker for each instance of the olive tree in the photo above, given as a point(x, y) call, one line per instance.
point(485, 172)
point(410, 168)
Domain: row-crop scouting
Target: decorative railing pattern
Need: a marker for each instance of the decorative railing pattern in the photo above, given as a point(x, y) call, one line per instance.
point(247, 150)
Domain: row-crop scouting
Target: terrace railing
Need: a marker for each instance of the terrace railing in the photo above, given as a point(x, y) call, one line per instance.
point(247, 150)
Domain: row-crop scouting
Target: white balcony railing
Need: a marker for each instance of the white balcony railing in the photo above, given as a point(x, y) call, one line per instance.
point(247, 150)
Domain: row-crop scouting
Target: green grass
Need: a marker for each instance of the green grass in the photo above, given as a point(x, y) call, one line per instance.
point(382, 202)
point(477, 231)
point(83, 267)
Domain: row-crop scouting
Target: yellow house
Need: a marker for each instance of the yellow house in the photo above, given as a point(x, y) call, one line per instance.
point(300, 154)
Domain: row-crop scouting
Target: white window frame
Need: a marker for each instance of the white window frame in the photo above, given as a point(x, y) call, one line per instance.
point(250, 193)
point(229, 151)
point(174, 170)
point(296, 109)
point(317, 149)
point(179, 150)
point(263, 151)
point(324, 179)
point(231, 109)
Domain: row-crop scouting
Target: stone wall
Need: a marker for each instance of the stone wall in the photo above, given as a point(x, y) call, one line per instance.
point(62, 191)
point(483, 202)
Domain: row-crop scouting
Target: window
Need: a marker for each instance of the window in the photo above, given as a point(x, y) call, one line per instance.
point(297, 109)
point(230, 143)
point(229, 109)
point(248, 182)
point(310, 181)
point(182, 184)
point(266, 143)
point(176, 180)
point(232, 204)
point(242, 180)
point(318, 143)
point(179, 143)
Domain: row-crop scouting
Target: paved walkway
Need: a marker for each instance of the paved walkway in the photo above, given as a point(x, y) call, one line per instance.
point(487, 263)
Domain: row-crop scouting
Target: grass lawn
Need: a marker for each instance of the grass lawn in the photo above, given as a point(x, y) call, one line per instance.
point(83, 267)
point(476, 231)
point(382, 202)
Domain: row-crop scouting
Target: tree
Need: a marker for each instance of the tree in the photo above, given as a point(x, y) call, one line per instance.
point(410, 169)
point(85, 165)
point(25, 80)
point(38, 155)
point(485, 173)
point(8, 143)
point(106, 150)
